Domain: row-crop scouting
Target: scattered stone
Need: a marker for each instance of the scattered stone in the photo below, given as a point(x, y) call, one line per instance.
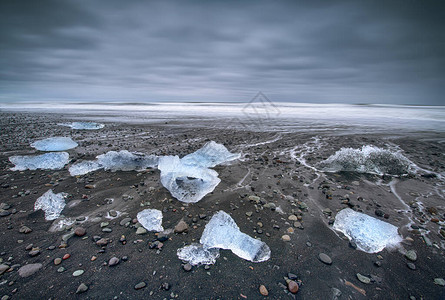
point(30, 269)
point(3, 268)
point(61, 269)
point(411, 255)
point(124, 221)
point(439, 281)
point(325, 258)
point(254, 198)
point(363, 278)
point(140, 285)
point(165, 286)
point(327, 211)
point(379, 213)
point(293, 218)
point(25, 229)
point(34, 252)
point(66, 256)
point(29, 247)
point(57, 261)
point(82, 288)
point(78, 273)
point(104, 224)
point(285, 238)
point(292, 286)
point(202, 216)
point(263, 290)
point(141, 230)
point(90, 186)
point(102, 242)
point(80, 231)
point(187, 267)
point(292, 276)
point(93, 258)
point(112, 213)
point(107, 229)
point(113, 261)
point(181, 227)
point(249, 213)
point(411, 265)
point(378, 263)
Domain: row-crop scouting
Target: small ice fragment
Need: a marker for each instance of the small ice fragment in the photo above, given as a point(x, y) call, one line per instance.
point(370, 234)
point(151, 219)
point(195, 254)
point(210, 155)
point(51, 161)
point(52, 204)
point(186, 183)
point(84, 125)
point(54, 144)
point(369, 159)
point(222, 232)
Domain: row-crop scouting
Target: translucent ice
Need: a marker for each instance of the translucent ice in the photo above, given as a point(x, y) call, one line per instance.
point(369, 159)
point(185, 182)
point(222, 232)
point(51, 161)
point(116, 161)
point(210, 155)
point(370, 234)
point(52, 204)
point(151, 219)
point(196, 254)
point(54, 144)
point(84, 125)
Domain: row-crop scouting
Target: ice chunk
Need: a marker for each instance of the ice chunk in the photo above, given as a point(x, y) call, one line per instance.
point(369, 159)
point(52, 204)
point(210, 155)
point(370, 234)
point(222, 232)
point(116, 161)
point(186, 183)
point(50, 161)
point(54, 144)
point(84, 125)
point(151, 219)
point(195, 254)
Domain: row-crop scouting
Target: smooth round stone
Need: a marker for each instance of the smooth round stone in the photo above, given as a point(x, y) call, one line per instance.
point(141, 230)
point(325, 258)
point(411, 266)
point(61, 269)
point(363, 279)
point(107, 229)
point(411, 255)
point(439, 281)
point(30, 269)
point(80, 231)
point(292, 218)
point(292, 286)
point(285, 238)
point(78, 273)
point(113, 261)
point(57, 261)
point(187, 267)
point(140, 285)
point(82, 288)
point(263, 290)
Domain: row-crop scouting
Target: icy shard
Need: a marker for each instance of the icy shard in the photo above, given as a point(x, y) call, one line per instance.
point(222, 232)
point(116, 161)
point(52, 204)
point(370, 234)
point(210, 155)
point(84, 125)
point(49, 161)
point(195, 254)
point(186, 183)
point(151, 219)
point(369, 159)
point(54, 144)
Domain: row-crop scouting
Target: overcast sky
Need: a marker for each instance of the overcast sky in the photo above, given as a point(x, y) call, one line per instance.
point(301, 51)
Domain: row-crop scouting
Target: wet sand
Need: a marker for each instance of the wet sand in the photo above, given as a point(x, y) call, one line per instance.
point(275, 166)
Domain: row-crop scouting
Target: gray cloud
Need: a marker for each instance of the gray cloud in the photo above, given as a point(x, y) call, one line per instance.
point(305, 51)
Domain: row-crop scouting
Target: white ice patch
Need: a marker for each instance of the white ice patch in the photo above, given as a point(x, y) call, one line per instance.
point(151, 219)
point(54, 144)
point(370, 234)
point(52, 204)
point(116, 161)
point(369, 159)
point(210, 155)
point(84, 125)
point(195, 254)
point(222, 233)
point(48, 161)
point(186, 183)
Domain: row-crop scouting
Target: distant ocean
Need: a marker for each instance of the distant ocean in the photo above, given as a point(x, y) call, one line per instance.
point(278, 116)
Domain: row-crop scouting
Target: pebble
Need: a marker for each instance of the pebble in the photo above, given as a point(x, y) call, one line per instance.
point(439, 281)
point(165, 286)
point(249, 213)
point(80, 231)
point(30, 269)
point(106, 229)
point(113, 261)
point(66, 256)
point(141, 230)
point(93, 258)
point(25, 229)
point(181, 227)
point(34, 253)
point(325, 258)
point(57, 261)
point(5, 297)
point(61, 269)
point(292, 286)
point(363, 278)
point(82, 288)
point(104, 224)
point(102, 242)
point(411, 255)
point(411, 265)
point(187, 267)
point(112, 213)
point(124, 221)
point(263, 290)
point(290, 230)
point(3, 268)
point(78, 273)
point(140, 285)
point(285, 238)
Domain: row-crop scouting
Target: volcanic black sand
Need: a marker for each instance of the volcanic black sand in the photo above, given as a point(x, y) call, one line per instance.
point(274, 166)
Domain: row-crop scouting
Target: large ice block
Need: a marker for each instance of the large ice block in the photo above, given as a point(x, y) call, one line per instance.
point(49, 161)
point(369, 159)
point(54, 144)
point(210, 155)
point(222, 232)
point(370, 234)
point(116, 161)
point(84, 125)
point(185, 182)
point(195, 254)
point(52, 204)
point(151, 219)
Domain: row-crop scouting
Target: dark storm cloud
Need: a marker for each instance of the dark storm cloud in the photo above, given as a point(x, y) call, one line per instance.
point(344, 51)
